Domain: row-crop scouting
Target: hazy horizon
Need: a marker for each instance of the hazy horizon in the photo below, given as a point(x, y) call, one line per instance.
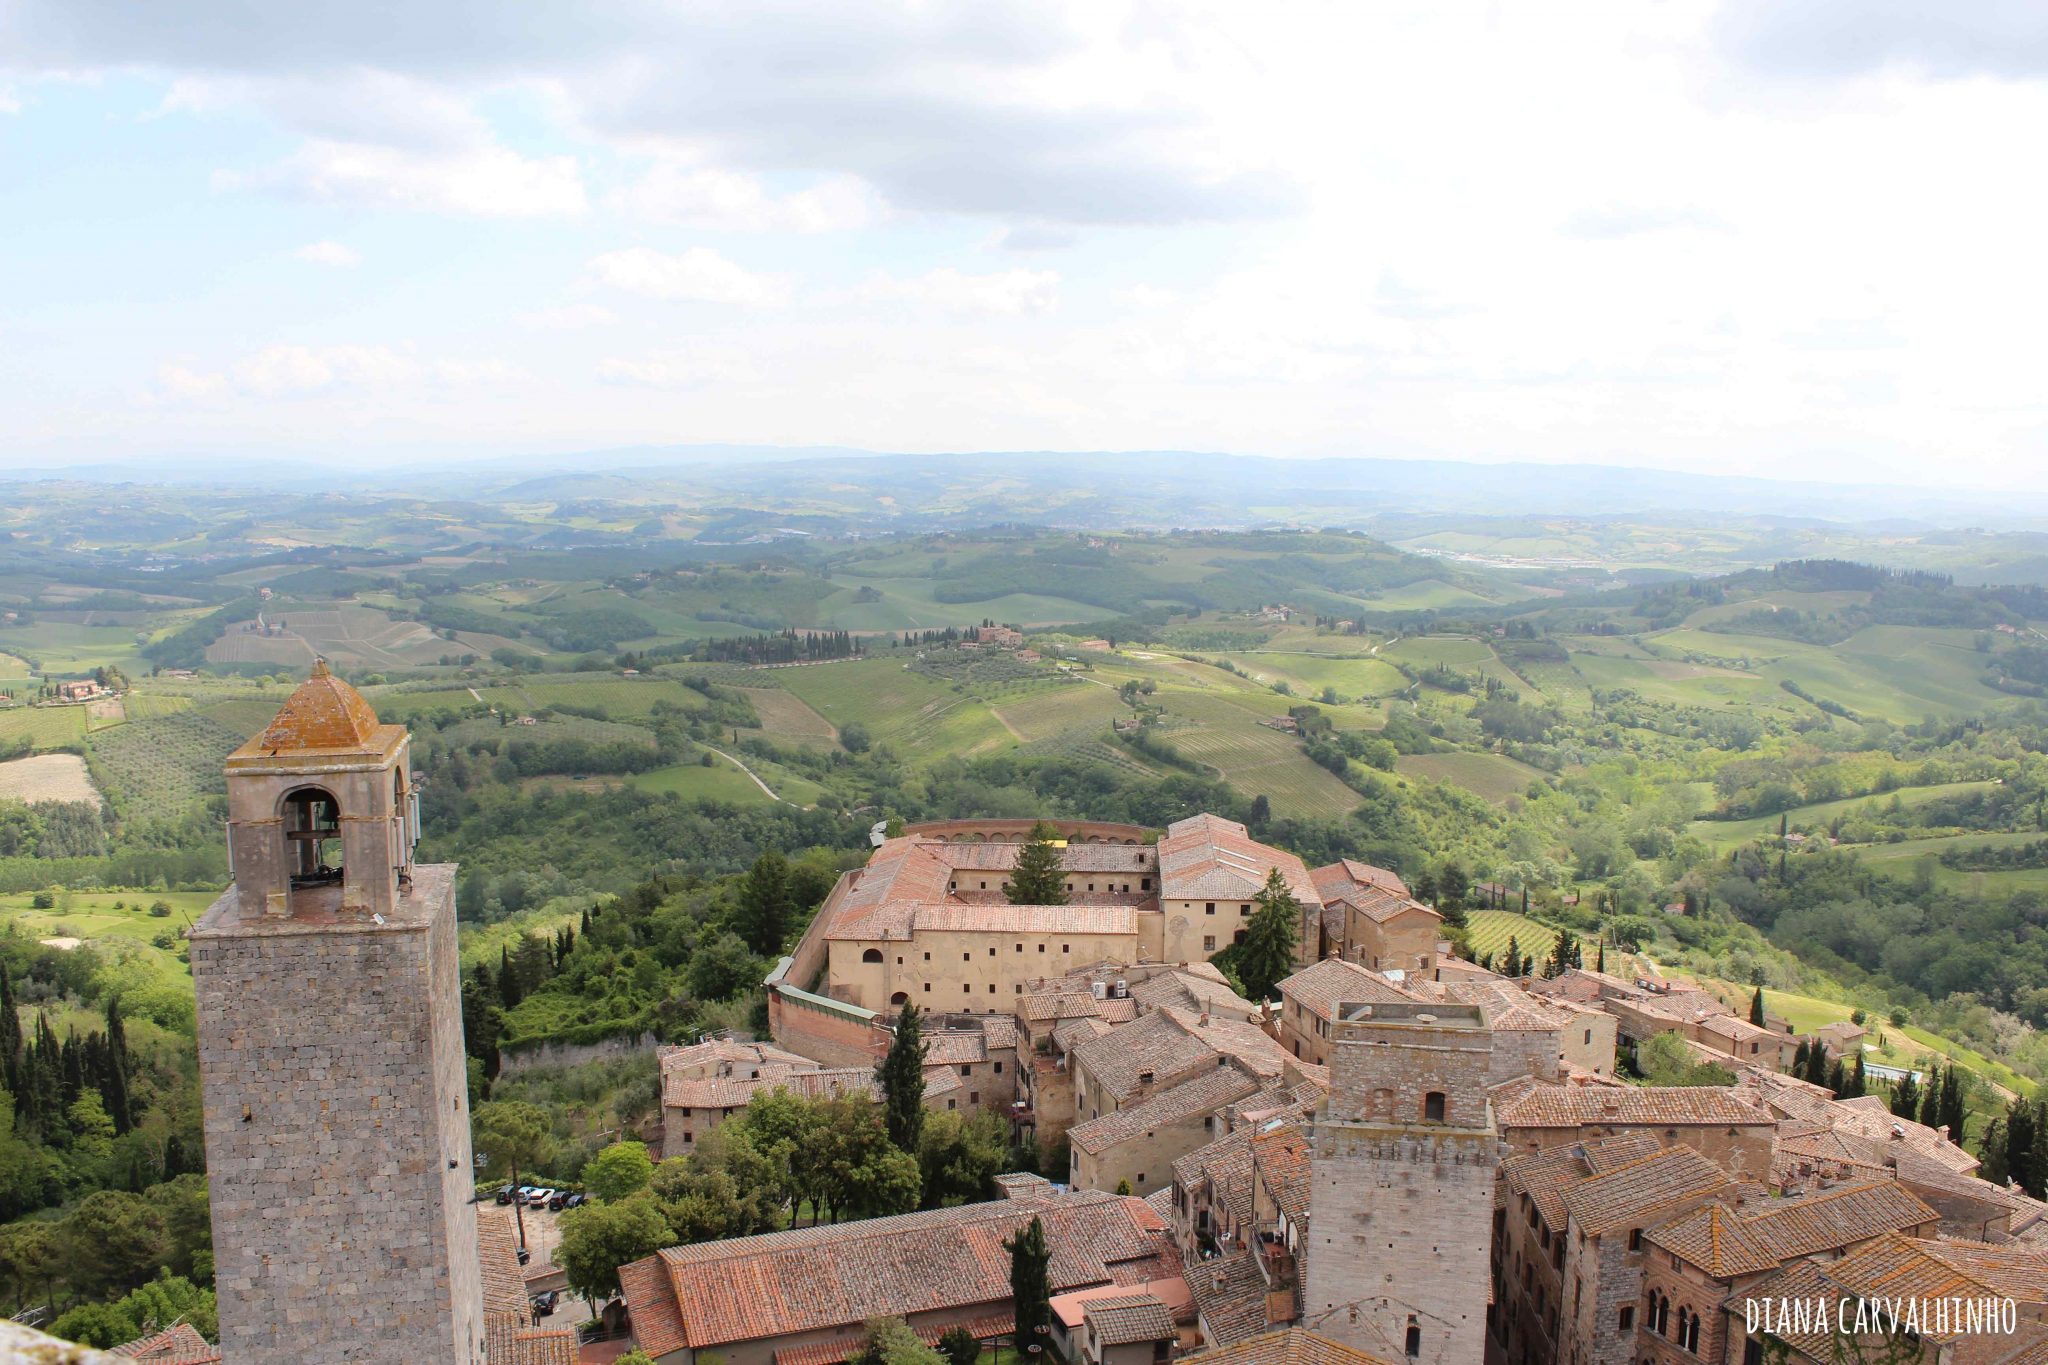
point(1715, 236)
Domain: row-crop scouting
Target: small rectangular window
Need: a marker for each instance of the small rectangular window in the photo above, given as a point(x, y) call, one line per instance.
point(1041, 947)
point(1144, 883)
point(1208, 943)
point(967, 1071)
point(1066, 948)
point(1020, 948)
point(688, 1136)
point(1626, 1318)
point(967, 957)
point(999, 1065)
point(927, 957)
point(1209, 908)
point(927, 988)
point(974, 1097)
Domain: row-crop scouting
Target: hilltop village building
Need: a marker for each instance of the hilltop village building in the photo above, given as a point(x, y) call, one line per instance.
point(1414, 1161)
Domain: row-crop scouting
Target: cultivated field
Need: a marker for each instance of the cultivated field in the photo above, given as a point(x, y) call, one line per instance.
point(47, 777)
point(47, 727)
point(786, 719)
point(1493, 776)
point(1726, 834)
point(161, 765)
point(1490, 931)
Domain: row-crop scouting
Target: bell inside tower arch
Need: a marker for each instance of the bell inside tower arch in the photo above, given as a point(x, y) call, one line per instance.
point(312, 831)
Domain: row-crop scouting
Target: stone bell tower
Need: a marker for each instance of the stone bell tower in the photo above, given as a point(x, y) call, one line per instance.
point(331, 1055)
point(1401, 1199)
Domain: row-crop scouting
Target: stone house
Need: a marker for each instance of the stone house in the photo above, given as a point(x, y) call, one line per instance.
point(1309, 1000)
point(1735, 1133)
point(1716, 1254)
point(1370, 919)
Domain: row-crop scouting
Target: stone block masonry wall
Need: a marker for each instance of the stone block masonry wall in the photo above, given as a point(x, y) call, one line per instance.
point(337, 1134)
point(1399, 1229)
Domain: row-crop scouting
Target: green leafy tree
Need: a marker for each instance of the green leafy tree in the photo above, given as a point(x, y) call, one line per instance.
point(764, 904)
point(959, 1347)
point(724, 968)
point(511, 1135)
point(1030, 1285)
point(599, 1238)
point(959, 1156)
point(1038, 879)
point(112, 1242)
point(900, 1073)
point(621, 1169)
point(890, 1341)
point(1267, 953)
point(857, 1169)
point(703, 1200)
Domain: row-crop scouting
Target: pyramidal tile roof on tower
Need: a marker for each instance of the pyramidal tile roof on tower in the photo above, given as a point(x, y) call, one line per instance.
point(322, 715)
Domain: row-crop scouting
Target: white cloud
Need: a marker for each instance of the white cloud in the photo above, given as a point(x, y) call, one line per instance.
point(1147, 297)
point(568, 317)
point(677, 369)
point(1005, 293)
point(329, 253)
point(10, 102)
point(728, 201)
point(488, 182)
point(292, 371)
point(698, 273)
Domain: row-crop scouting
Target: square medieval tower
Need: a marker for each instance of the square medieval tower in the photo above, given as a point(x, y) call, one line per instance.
point(1401, 1195)
point(331, 1056)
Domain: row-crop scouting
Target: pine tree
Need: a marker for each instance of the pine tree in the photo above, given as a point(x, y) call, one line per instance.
point(1030, 1286)
point(1038, 878)
point(1756, 1007)
point(1267, 954)
point(765, 904)
point(900, 1074)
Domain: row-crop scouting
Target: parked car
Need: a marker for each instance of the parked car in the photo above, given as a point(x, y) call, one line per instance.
point(505, 1194)
point(559, 1200)
point(575, 1201)
point(544, 1303)
point(524, 1255)
point(540, 1196)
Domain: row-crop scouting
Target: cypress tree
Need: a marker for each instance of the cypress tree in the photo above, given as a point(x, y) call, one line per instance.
point(1854, 1078)
point(1953, 1113)
point(1030, 1286)
point(508, 980)
point(114, 1081)
point(2019, 1145)
point(900, 1073)
point(1930, 1098)
point(1802, 1059)
point(765, 904)
point(1906, 1097)
point(1037, 878)
point(1756, 1007)
point(10, 1034)
point(1838, 1079)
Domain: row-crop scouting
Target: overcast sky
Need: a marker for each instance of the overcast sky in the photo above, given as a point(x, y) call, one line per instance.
point(1801, 238)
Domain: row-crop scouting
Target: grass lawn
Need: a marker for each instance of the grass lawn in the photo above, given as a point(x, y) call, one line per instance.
point(1902, 859)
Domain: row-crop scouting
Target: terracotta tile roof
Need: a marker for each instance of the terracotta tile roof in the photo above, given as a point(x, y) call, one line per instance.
point(1715, 1239)
point(1230, 1296)
point(984, 1328)
point(1206, 857)
point(1058, 1002)
point(1075, 1032)
point(1544, 1176)
point(1225, 1165)
point(1288, 1346)
point(1161, 1201)
point(322, 714)
point(1127, 1319)
point(513, 1341)
point(1155, 1044)
point(724, 1056)
point(1321, 987)
point(1832, 1219)
point(955, 1048)
point(1189, 990)
point(1604, 1155)
point(1280, 1163)
point(1558, 1106)
point(497, 1244)
point(1893, 1266)
point(1635, 1193)
point(817, 1279)
point(1205, 1093)
point(180, 1344)
point(999, 1032)
point(1348, 873)
point(1242, 1041)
